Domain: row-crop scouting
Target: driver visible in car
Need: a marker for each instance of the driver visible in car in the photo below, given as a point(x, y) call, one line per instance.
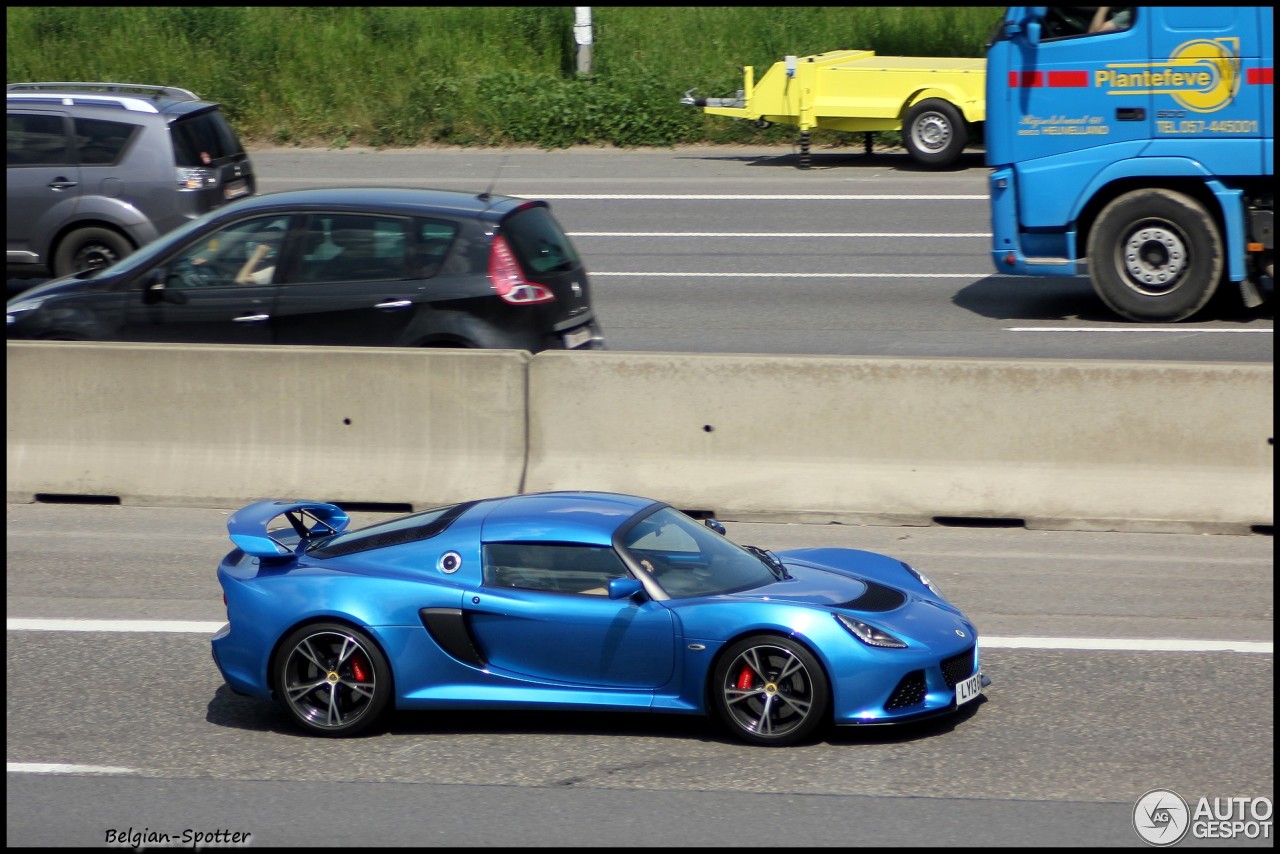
point(260, 266)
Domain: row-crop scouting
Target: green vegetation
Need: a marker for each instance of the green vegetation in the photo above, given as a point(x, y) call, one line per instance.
point(483, 75)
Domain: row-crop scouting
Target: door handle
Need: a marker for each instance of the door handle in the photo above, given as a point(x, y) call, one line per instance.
point(251, 318)
point(394, 304)
point(61, 183)
point(1130, 114)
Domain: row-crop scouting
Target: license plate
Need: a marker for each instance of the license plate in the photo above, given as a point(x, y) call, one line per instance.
point(968, 689)
point(577, 337)
point(235, 189)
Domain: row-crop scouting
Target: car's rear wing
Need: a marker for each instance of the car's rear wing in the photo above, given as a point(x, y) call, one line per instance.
point(251, 531)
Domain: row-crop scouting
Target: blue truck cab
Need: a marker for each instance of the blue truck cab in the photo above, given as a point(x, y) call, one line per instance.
point(1136, 142)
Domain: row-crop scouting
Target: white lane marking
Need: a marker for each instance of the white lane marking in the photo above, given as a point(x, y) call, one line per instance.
point(14, 624)
point(61, 768)
point(1126, 644)
point(1125, 329)
point(1108, 644)
point(755, 235)
point(715, 197)
point(595, 275)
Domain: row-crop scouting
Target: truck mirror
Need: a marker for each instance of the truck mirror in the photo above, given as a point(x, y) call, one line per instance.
point(1031, 24)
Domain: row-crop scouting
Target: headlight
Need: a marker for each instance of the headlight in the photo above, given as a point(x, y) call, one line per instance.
point(869, 634)
point(15, 312)
point(924, 579)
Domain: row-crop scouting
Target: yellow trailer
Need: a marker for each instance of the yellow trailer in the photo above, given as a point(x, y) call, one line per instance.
point(935, 101)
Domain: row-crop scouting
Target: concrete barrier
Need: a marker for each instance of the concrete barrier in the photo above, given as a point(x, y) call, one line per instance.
point(1092, 445)
point(222, 425)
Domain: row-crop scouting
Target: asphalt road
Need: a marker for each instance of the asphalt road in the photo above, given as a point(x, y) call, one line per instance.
point(1159, 674)
point(736, 250)
point(1121, 662)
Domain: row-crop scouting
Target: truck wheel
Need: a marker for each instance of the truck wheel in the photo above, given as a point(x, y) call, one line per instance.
point(934, 133)
point(1155, 255)
point(88, 249)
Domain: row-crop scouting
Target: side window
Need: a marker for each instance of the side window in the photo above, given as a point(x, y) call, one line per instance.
point(353, 248)
point(1066, 21)
point(435, 237)
point(100, 142)
point(36, 140)
point(243, 253)
point(552, 568)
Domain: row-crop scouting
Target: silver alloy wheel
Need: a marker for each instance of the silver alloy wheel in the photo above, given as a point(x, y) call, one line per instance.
point(1154, 257)
point(329, 680)
point(768, 691)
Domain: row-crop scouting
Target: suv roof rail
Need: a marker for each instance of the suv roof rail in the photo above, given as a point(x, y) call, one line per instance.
point(124, 88)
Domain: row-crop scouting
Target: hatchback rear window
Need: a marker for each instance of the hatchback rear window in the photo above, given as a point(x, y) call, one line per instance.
point(539, 242)
point(204, 138)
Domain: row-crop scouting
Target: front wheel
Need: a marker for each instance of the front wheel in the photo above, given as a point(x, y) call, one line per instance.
point(1155, 255)
point(934, 133)
point(332, 679)
point(770, 690)
point(89, 249)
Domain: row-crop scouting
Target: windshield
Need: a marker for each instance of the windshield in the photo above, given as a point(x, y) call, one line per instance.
point(688, 559)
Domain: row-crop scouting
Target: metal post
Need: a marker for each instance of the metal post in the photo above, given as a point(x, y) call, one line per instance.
point(582, 36)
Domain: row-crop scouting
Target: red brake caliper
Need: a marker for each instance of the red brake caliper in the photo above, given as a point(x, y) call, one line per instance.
point(746, 679)
point(357, 668)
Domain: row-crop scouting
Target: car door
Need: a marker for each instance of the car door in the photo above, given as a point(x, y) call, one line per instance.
point(351, 283)
point(218, 288)
point(543, 612)
point(43, 182)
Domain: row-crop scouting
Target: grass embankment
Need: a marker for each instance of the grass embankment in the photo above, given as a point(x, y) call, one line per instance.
point(385, 77)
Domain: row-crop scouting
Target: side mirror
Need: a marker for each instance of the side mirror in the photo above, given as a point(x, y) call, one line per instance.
point(1033, 33)
point(624, 588)
point(1031, 24)
point(154, 285)
point(715, 526)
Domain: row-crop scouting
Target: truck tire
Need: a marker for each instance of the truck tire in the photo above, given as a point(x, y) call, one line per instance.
point(1155, 255)
point(89, 248)
point(934, 133)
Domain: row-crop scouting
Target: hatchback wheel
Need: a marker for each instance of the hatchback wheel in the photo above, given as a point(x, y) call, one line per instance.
point(332, 678)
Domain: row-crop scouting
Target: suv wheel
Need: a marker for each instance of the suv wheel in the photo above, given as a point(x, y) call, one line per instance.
point(89, 249)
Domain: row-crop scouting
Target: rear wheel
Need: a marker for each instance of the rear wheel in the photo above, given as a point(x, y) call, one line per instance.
point(332, 679)
point(770, 690)
point(934, 132)
point(89, 249)
point(1155, 255)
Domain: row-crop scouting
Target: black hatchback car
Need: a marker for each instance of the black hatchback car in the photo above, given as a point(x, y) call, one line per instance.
point(349, 266)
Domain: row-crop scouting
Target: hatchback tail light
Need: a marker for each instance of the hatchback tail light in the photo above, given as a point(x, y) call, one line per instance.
point(509, 281)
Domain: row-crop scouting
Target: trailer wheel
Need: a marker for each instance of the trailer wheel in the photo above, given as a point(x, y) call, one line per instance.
point(934, 133)
point(1155, 255)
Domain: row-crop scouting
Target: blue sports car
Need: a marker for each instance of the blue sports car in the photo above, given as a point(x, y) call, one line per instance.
point(582, 601)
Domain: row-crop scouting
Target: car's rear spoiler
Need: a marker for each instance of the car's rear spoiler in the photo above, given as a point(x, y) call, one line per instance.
point(309, 520)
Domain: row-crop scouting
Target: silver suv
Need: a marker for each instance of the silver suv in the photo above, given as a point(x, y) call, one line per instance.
point(98, 169)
